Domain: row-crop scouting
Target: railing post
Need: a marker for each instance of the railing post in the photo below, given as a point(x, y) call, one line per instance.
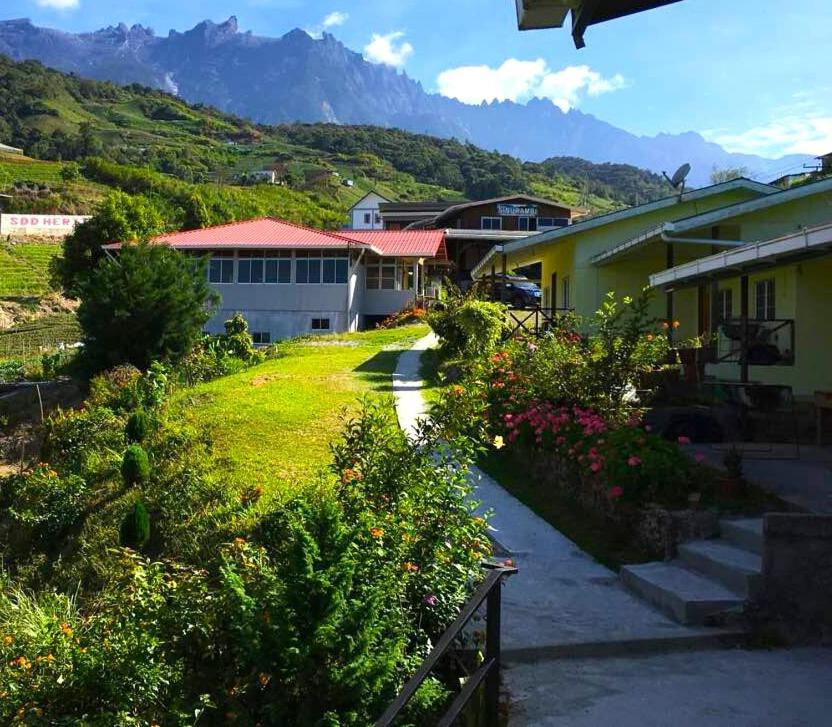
point(492, 653)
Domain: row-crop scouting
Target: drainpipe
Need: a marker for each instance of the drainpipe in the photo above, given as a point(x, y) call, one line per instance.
point(669, 296)
point(744, 329)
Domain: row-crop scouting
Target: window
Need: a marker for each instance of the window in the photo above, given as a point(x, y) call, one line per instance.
point(221, 268)
point(764, 299)
point(566, 292)
point(367, 218)
point(725, 305)
point(491, 223)
point(545, 223)
point(320, 324)
point(264, 266)
point(321, 266)
point(279, 267)
point(387, 273)
point(527, 224)
point(378, 218)
point(261, 337)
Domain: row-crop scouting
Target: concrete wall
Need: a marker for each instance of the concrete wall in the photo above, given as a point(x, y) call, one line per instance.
point(797, 575)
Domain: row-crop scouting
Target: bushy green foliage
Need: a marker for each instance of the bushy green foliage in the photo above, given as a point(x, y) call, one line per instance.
point(42, 502)
point(86, 442)
point(135, 466)
point(148, 304)
point(465, 325)
point(137, 427)
point(237, 340)
point(119, 218)
point(116, 388)
point(135, 528)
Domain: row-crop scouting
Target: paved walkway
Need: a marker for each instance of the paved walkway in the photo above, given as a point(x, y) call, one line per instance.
point(562, 603)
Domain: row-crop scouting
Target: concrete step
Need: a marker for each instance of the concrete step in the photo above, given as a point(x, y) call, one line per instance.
point(738, 569)
point(744, 533)
point(686, 596)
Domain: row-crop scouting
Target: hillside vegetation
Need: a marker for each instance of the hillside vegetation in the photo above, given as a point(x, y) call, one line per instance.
point(57, 117)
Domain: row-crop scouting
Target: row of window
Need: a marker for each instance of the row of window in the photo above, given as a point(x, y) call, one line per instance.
point(276, 267)
point(764, 308)
point(526, 224)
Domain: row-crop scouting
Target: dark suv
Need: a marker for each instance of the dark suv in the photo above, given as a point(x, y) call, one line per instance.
point(513, 290)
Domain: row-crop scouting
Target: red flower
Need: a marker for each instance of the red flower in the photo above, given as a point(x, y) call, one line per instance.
point(616, 491)
point(634, 461)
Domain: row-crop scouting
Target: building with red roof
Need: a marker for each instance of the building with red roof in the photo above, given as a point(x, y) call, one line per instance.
point(287, 279)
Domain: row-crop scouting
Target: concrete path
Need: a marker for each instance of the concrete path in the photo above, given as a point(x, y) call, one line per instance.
point(563, 610)
point(562, 602)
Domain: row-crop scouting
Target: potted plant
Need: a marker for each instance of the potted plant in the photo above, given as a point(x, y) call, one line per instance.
point(732, 484)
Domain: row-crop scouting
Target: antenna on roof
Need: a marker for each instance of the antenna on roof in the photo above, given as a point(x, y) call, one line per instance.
point(677, 181)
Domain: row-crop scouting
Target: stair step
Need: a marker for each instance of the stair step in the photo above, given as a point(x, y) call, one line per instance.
point(686, 596)
point(745, 533)
point(736, 568)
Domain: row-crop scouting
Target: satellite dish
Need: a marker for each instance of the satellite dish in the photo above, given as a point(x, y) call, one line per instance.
point(679, 176)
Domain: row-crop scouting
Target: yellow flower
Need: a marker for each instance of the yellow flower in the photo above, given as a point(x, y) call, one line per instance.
point(676, 324)
point(499, 443)
point(66, 629)
point(8, 640)
point(376, 532)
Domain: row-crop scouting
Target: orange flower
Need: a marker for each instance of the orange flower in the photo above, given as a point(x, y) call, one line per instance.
point(351, 475)
point(66, 629)
point(376, 532)
point(649, 336)
point(457, 390)
point(676, 324)
point(264, 679)
point(8, 640)
point(410, 567)
point(22, 662)
point(665, 325)
point(239, 541)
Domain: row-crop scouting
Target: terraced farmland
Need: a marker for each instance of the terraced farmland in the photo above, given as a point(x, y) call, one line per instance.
point(24, 268)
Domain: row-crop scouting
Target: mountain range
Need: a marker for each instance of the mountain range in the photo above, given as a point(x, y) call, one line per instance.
point(300, 78)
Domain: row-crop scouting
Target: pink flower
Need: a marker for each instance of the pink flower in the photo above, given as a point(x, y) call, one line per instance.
point(634, 461)
point(684, 440)
point(430, 599)
point(595, 466)
point(699, 457)
point(616, 491)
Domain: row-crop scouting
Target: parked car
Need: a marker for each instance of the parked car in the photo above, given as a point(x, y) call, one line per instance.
point(513, 290)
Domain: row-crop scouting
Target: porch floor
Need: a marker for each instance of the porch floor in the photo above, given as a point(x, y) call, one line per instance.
point(801, 477)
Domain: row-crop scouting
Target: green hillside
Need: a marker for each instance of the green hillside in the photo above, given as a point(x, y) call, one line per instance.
point(24, 268)
point(59, 118)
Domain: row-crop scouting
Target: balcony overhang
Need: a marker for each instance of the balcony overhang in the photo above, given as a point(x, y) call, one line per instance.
point(538, 14)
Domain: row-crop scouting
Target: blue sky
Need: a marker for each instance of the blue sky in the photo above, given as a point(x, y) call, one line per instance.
point(750, 74)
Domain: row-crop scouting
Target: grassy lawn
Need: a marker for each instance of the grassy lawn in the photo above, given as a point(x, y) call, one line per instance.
point(274, 422)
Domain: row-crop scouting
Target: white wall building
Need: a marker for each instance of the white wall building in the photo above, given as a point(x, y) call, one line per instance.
point(365, 214)
point(288, 280)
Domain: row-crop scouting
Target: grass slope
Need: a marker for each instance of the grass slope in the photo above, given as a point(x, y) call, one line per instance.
point(24, 268)
point(275, 421)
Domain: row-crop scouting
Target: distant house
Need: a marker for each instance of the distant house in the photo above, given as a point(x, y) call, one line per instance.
point(365, 214)
point(262, 176)
point(5, 148)
point(473, 228)
point(287, 279)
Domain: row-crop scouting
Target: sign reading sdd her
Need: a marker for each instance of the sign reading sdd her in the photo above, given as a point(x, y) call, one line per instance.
point(41, 225)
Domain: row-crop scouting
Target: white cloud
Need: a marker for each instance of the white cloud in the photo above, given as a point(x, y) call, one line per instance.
point(59, 4)
point(517, 80)
point(388, 49)
point(335, 18)
point(332, 20)
point(790, 134)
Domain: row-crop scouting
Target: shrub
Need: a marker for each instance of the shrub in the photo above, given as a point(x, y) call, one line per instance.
point(135, 466)
point(138, 426)
point(43, 502)
point(87, 443)
point(116, 388)
point(406, 316)
point(135, 528)
point(467, 326)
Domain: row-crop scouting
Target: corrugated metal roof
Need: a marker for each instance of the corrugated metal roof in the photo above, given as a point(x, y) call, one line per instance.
point(269, 232)
point(413, 243)
point(261, 232)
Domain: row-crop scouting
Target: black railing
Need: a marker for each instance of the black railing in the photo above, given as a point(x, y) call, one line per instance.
point(769, 342)
point(488, 672)
point(533, 321)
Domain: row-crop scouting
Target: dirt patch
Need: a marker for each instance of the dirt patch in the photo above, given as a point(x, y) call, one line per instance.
point(28, 310)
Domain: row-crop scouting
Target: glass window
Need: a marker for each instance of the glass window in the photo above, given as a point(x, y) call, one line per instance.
point(221, 268)
point(386, 273)
point(725, 304)
point(527, 224)
point(764, 299)
point(260, 337)
point(320, 324)
point(316, 266)
point(378, 218)
point(367, 218)
point(492, 223)
point(251, 266)
point(566, 293)
point(549, 222)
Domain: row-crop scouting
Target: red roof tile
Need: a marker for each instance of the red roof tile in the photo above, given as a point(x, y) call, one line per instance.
point(414, 243)
point(270, 232)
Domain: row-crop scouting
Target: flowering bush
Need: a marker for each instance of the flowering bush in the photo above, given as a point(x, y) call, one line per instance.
point(410, 314)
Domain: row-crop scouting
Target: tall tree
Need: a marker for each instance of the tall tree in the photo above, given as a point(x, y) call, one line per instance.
point(718, 176)
point(147, 304)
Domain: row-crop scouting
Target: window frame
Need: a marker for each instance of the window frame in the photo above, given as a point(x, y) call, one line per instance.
point(566, 292)
point(724, 304)
point(385, 269)
point(768, 299)
point(222, 257)
point(491, 219)
point(317, 324)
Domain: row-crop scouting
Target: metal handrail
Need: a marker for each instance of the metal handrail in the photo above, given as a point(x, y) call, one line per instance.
point(488, 672)
point(548, 316)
